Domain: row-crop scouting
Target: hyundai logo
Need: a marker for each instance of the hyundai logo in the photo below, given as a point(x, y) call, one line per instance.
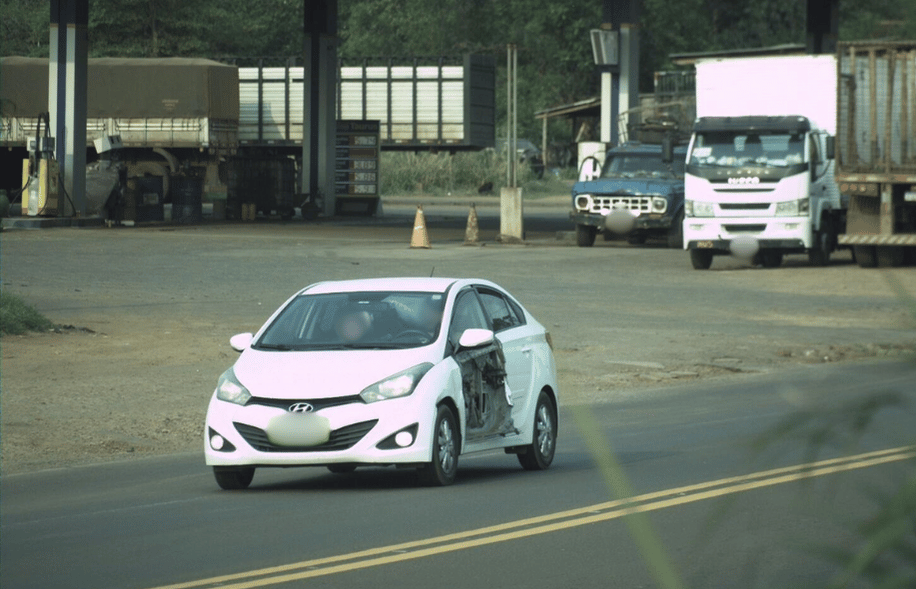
point(301, 408)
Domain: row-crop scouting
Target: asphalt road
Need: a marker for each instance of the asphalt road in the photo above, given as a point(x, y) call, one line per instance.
point(163, 522)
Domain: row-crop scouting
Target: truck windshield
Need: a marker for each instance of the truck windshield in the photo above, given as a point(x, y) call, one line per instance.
point(631, 165)
point(732, 149)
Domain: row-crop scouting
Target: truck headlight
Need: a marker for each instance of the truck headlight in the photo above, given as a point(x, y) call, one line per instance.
point(693, 208)
point(583, 202)
point(792, 208)
point(659, 205)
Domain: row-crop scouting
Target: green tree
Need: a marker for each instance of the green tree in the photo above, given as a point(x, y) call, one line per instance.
point(24, 27)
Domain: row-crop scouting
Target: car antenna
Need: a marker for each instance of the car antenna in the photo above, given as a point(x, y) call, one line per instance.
point(431, 272)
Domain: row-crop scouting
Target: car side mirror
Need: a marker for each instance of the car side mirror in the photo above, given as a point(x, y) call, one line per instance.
point(831, 147)
point(241, 341)
point(475, 338)
point(590, 169)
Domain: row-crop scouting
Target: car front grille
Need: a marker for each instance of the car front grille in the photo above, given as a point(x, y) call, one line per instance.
point(317, 404)
point(340, 439)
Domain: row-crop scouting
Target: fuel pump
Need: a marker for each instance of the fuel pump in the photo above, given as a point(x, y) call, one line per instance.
point(40, 174)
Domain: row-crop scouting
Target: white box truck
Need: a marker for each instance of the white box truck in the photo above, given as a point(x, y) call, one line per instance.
point(760, 171)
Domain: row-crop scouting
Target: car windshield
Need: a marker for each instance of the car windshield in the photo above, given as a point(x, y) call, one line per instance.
point(355, 321)
point(732, 149)
point(631, 165)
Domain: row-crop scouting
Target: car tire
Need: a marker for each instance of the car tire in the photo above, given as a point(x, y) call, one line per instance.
point(441, 471)
point(232, 478)
point(701, 259)
point(585, 235)
point(539, 454)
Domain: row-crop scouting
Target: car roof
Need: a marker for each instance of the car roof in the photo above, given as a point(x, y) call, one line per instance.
point(408, 284)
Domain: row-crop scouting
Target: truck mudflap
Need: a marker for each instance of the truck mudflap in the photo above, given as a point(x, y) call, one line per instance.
point(909, 239)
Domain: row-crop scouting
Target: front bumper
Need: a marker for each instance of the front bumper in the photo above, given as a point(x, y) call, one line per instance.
point(356, 432)
point(644, 222)
point(789, 234)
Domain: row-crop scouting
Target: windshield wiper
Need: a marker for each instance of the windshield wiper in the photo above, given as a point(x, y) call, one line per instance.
point(277, 347)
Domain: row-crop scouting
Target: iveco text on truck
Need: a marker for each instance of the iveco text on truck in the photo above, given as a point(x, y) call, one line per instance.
point(760, 169)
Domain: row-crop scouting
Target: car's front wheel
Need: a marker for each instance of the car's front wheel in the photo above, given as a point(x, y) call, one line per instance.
point(232, 478)
point(442, 469)
point(539, 454)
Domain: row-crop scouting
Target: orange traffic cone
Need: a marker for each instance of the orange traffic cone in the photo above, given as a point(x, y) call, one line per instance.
point(420, 238)
point(472, 232)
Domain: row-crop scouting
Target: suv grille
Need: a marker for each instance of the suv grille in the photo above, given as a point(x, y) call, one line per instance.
point(634, 204)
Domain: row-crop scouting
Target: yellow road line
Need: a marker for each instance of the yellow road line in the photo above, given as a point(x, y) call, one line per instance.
point(554, 522)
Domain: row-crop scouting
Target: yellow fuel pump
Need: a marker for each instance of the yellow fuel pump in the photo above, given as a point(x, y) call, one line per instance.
point(40, 175)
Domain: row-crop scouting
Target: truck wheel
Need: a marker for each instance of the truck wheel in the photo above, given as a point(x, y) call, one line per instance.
point(770, 259)
point(585, 235)
point(890, 256)
point(701, 259)
point(819, 254)
point(676, 232)
point(865, 255)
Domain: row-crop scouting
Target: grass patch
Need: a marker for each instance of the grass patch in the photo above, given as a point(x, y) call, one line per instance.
point(17, 317)
point(463, 173)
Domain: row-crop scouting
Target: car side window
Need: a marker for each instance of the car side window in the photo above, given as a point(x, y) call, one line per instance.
point(500, 312)
point(467, 314)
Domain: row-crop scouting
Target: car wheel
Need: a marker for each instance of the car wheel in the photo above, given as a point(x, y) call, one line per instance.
point(539, 454)
point(585, 235)
point(233, 478)
point(701, 259)
point(442, 469)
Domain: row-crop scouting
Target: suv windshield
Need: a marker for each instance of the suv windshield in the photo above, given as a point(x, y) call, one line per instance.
point(360, 320)
point(732, 149)
point(630, 165)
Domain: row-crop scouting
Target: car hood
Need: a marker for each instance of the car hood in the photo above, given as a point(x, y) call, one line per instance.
point(316, 375)
point(631, 186)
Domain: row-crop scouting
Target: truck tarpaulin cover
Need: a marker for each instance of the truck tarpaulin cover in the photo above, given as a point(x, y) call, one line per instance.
point(170, 87)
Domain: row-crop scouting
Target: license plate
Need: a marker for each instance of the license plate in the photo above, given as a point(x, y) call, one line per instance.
point(704, 244)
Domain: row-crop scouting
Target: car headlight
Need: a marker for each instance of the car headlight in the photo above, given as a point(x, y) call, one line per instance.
point(397, 385)
point(693, 208)
point(229, 389)
point(583, 202)
point(659, 205)
point(792, 208)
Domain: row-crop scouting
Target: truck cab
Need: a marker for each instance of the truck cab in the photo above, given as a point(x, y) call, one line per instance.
point(768, 179)
point(636, 180)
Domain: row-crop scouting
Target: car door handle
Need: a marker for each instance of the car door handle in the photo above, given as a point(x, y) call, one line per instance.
point(526, 350)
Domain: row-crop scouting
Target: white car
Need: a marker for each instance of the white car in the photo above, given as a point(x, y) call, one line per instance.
point(390, 371)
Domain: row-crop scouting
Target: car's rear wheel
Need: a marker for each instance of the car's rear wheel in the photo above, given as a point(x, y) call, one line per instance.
point(442, 469)
point(539, 454)
point(233, 478)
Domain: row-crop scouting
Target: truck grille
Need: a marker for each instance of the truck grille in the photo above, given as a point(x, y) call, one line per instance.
point(634, 204)
point(745, 206)
point(744, 228)
point(340, 439)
